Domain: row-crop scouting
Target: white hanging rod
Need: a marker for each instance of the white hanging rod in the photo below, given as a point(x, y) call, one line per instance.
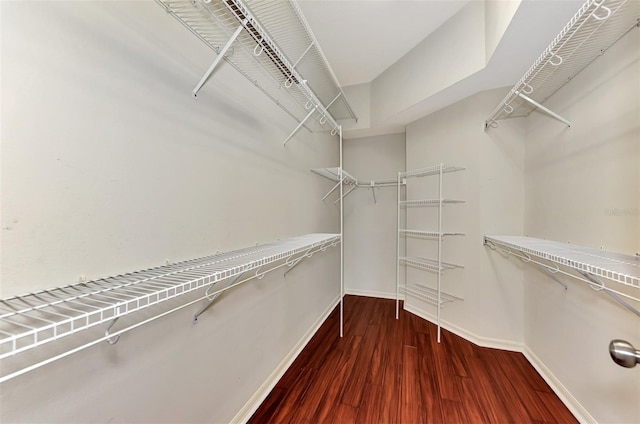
point(34, 319)
point(596, 26)
point(623, 269)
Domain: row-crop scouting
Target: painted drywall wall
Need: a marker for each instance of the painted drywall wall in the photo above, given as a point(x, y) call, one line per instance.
point(109, 166)
point(583, 186)
point(370, 227)
point(493, 187)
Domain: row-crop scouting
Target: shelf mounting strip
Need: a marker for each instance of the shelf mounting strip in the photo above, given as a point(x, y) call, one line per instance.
point(35, 319)
point(258, 38)
point(596, 26)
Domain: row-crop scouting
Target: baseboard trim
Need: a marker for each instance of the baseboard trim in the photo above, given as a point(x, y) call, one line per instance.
point(370, 293)
point(260, 395)
point(560, 390)
point(465, 334)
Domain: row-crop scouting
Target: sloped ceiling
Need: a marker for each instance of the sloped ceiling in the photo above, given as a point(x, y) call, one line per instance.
point(401, 60)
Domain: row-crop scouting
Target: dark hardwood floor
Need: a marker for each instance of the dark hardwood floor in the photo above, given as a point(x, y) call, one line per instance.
point(393, 371)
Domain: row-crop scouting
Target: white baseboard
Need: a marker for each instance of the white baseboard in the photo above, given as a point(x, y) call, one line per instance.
point(465, 334)
point(370, 293)
point(260, 395)
point(563, 393)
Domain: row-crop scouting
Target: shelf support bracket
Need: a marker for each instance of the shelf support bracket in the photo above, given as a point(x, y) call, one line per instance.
point(552, 275)
point(217, 60)
point(295, 263)
point(215, 296)
point(602, 287)
point(545, 109)
point(373, 191)
point(353, 187)
point(298, 127)
point(331, 191)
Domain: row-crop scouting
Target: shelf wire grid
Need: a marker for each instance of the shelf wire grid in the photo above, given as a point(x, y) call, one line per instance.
point(620, 268)
point(271, 70)
point(426, 234)
point(432, 170)
point(427, 264)
point(429, 294)
point(585, 37)
point(33, 319)
point(428, 202)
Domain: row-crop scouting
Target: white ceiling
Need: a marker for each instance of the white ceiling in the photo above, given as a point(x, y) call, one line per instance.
point(362, 38)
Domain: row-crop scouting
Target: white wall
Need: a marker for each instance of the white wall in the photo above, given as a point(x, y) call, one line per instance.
point(583, 186)
point(493, 187)
point(370, 228)
point(108, 166)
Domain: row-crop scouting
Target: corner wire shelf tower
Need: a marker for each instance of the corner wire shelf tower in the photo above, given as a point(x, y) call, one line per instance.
point(592, 265)
point(596, 26)
point(271, 44)
point(36, 319)
point(420, 290)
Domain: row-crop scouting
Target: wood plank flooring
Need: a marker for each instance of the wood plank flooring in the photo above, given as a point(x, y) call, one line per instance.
point(393, 371)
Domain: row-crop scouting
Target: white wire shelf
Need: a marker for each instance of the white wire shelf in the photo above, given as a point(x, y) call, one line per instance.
point(596, 26)
point(333, 174)
point(428, 264)
point(432, 170)
point(33, 319)
point(426, 234)
point(429, 294)
point(620, 268)
point(275, 50)
point(428, 202)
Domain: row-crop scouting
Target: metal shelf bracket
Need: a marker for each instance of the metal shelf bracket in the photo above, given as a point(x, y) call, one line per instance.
point(217, 60)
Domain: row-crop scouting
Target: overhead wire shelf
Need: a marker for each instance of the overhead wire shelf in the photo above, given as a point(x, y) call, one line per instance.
point(596, 26)
point(270, 44)
point(620, 268)
point(33, 319)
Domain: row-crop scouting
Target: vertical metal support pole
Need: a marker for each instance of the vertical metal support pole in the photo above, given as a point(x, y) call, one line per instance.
point(298, 127)
point(439, 244)
point(398, 251)
point(217, 60)
point(341, 242)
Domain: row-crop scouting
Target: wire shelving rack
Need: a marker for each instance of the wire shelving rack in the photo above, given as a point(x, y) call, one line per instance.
point(420, 290)
point(270, 44)
point(596, 26)
point(35, 319)
point(591, 264)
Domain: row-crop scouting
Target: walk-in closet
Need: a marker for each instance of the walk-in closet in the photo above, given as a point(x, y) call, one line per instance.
point(320, 211)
